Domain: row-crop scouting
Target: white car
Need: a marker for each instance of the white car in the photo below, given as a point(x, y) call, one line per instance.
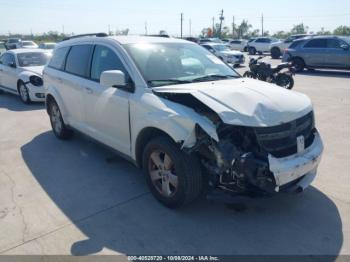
point(28, 44)
point(223, 52)
point(277, 48)
point(238, 44)
point(260, 45)
point(183, 116)
point(21, 73)
point(47, 46)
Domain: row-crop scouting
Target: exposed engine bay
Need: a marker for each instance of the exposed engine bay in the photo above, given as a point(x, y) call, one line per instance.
point(238, 162)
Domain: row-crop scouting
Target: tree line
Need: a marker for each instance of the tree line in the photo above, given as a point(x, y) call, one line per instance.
point(245, 31)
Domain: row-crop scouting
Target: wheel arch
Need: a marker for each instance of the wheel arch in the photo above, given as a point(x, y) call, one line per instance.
point(19, 81)
point(298, 57)
point(144, 136)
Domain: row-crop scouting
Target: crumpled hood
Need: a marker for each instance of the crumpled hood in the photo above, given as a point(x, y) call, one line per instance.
point(246, 102)
point(34, 69)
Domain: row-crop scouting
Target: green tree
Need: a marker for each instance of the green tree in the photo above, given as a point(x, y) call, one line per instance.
point(342, 30)
point(281, 35)
point(299, 29)
point(243, 29)
point(324, 32)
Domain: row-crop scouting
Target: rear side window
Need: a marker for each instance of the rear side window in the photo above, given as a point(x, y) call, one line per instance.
point(296, 43)
point(78, 60)
point(105, 59)
point(58, 58)
point(316, 43)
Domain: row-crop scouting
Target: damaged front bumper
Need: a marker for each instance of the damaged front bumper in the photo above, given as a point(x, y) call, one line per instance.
point(301, 167)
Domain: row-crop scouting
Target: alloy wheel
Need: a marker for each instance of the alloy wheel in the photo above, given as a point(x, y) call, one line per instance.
point(162, 173)
point(56, 119)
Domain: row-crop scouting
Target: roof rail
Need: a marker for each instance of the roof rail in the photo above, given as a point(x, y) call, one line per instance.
point(92, 34)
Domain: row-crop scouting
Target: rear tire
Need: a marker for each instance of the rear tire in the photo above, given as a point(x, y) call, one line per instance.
point(59, 128)
point(174, 178)
point(299, 64)
point(285, 81)
point(275, 53)
point(252, 50)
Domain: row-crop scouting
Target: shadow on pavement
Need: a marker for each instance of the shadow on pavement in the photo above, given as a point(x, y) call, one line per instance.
point(14, 103)
point(106, 198)
point(326, 73)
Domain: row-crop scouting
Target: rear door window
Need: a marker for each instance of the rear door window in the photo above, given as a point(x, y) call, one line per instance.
point(58, 58)
point(316, 43)
point(335, 43)
point(78, 60)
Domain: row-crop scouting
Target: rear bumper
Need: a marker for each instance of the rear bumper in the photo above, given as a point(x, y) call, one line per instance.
point(301, 166)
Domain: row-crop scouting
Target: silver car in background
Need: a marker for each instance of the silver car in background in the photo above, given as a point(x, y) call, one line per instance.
point(319, 52)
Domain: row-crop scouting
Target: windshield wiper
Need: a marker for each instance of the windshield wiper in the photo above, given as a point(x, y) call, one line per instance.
point(167, 81)
point(212, 77)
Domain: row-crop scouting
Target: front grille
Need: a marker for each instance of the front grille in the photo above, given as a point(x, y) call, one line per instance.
point(281, 141)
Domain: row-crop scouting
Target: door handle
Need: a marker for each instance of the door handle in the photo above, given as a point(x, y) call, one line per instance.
point(59, 79)
point(88, 90)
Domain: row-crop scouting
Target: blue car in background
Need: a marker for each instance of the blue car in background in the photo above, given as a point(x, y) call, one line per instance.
point(319, 52)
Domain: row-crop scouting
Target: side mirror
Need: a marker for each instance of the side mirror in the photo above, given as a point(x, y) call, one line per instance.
point(345, 47)
point(113, 78)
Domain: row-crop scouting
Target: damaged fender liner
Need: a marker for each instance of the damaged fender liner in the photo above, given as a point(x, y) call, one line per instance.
point(238, 163)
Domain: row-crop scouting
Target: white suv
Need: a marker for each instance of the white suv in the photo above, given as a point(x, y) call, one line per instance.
point(260, 45)
point(180, 113)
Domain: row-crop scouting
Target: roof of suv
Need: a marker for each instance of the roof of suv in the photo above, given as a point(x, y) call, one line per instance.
point(125, 40)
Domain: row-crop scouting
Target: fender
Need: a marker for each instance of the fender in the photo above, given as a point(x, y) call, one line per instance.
point(51, 90)
point(24, 76)
point(177, 120)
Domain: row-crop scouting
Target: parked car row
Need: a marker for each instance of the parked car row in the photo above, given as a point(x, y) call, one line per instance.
point(163, 103)
point(17, 43)
point(303, 50)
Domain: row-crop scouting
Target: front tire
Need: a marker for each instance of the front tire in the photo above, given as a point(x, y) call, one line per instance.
point(275, 53)
point(59, 128)
point(24, 93)
point(174, 177)
point(252, 50)
point(298, 64)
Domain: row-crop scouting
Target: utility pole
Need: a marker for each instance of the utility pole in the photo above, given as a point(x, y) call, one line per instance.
point(233, 27)
point(182, 20)
point(190, 28)
point(62, 29)
point(262, 24)
point(109, 29)
point(213, 24)
point(146, 28)
point(221, 20)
